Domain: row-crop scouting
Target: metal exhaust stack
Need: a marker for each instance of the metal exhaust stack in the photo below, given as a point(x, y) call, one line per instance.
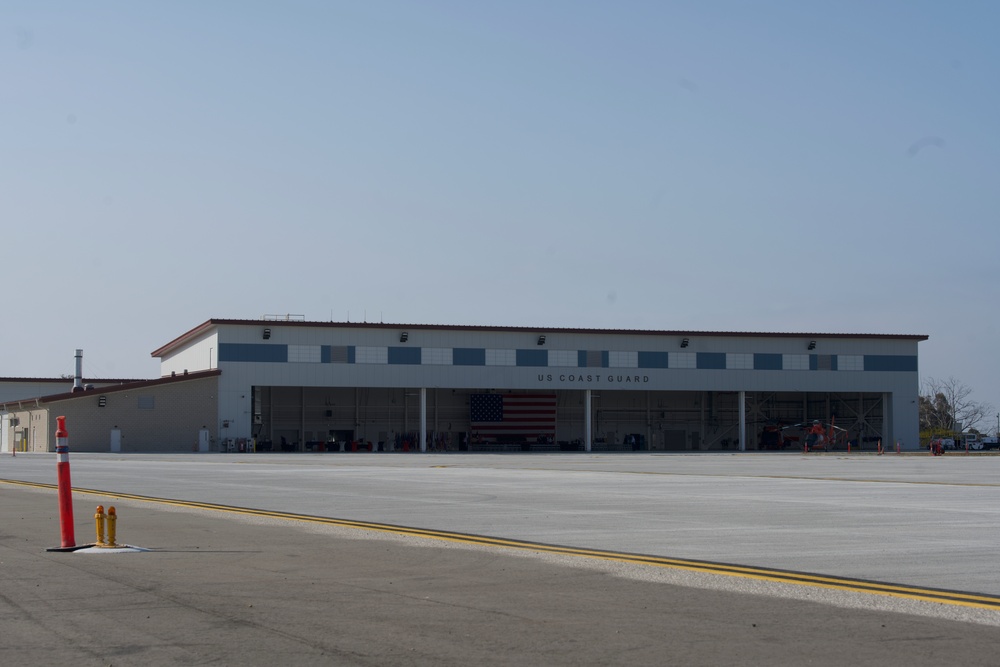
point(78, 378)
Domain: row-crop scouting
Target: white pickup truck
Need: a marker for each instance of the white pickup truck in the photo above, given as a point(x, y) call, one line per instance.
point(968, 441)
point(976, 442)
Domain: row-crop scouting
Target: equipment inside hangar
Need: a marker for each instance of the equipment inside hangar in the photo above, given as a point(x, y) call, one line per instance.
point(320, 419)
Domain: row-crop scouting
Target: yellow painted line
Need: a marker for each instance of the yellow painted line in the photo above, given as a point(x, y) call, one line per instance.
point(942, 596)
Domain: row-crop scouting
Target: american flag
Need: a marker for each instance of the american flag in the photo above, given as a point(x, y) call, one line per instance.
point(499, 416)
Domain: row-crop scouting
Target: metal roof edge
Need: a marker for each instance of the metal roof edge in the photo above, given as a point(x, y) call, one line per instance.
point(177, 342)
point(528, 329)
point(70, 395)
point(86, 380)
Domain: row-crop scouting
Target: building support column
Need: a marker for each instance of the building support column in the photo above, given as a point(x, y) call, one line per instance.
point(423, 419)
point(649, 420)
point(743, 421)
point(406, 414)
point(588, 422)
point(862, 422)
point(888, 432)
point(703, 425)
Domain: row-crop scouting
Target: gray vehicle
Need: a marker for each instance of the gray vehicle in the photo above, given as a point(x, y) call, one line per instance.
point(990, 443)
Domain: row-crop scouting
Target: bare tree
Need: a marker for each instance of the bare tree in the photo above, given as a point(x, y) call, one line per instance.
point(947, 405)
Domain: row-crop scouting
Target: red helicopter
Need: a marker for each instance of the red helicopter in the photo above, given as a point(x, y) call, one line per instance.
point(813, 436)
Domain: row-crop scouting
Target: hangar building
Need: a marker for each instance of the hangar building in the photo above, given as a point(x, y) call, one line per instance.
point(313, 383)
point(284, 383)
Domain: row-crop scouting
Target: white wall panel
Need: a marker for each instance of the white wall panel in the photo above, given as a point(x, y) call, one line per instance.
point(501, 358)
point(441, 356)
point(739, 361)
point(371, 355)
point(200, 355)
point(305, 354)
point(795, 362)
point(619, 359)
point(683, 360)
point(564, 358)
point(850, 362)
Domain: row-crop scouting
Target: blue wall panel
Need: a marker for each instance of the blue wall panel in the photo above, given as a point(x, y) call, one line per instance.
point(253, 352)
point(532, 357)
point(654, 360)
point(404, 355)
point(767, 362)
point(886, 362)
point(468, 356)
point(712, 360)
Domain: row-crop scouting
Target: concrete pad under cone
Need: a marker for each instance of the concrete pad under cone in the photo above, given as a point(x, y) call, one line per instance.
point(122, 549)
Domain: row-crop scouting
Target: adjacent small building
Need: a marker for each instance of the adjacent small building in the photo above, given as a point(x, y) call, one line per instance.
point(165, 414)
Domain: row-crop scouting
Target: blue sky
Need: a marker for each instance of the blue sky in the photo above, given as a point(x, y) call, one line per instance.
point(766, 166)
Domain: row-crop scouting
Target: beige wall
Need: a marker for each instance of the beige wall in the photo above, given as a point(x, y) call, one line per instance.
point(155, 418)
point(31, 432)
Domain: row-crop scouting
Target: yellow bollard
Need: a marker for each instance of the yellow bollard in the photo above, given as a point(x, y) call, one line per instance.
point(112, 520)
point(99, 519)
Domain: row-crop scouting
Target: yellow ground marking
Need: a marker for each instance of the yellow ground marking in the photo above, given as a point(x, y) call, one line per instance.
point(942, 596)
